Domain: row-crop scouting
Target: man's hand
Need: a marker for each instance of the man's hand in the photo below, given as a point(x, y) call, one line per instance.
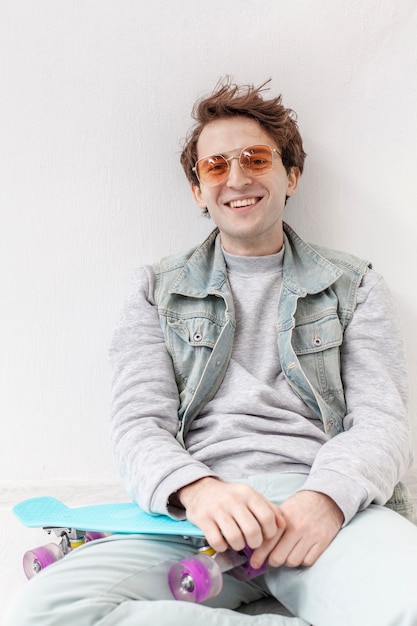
point(312, 521)
point(231, 514)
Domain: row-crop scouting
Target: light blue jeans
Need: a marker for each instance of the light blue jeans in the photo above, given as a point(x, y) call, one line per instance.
point(366, 577)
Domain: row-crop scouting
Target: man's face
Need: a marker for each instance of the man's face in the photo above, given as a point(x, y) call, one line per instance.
point(247, 209)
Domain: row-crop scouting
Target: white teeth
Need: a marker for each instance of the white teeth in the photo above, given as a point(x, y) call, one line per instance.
point(239, 203)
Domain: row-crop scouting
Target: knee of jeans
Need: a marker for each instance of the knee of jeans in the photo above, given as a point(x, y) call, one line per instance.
point(31, 607)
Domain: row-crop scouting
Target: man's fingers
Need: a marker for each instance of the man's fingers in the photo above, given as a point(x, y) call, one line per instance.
point(214, 537)
point(269, 520)
point(262, 554)
point(231, 514)
point(288, 552)
point(239, 530)
point(312, 522)
point(295, 554)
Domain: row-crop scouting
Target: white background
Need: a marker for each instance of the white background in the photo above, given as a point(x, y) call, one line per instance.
point(95, 98)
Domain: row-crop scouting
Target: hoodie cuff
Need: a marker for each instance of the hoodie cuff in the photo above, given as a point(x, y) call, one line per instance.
point(349, 496)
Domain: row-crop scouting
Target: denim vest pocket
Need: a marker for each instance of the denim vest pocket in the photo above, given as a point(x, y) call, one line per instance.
point(190, 340)
point(316, 343)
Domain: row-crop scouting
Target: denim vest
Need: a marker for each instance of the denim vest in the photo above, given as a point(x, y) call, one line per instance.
point(317, 301)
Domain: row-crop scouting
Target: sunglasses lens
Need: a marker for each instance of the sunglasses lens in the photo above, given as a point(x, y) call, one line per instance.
point(212, 170)
point(256, 160)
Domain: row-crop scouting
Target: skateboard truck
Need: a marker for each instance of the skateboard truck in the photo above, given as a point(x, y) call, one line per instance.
point(69, 538)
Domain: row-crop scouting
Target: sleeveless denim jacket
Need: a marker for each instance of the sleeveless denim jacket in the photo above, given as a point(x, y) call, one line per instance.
point(317, 301)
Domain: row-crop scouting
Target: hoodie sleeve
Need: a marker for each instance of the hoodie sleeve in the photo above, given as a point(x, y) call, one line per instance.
point(363, 464)
point(144, 405)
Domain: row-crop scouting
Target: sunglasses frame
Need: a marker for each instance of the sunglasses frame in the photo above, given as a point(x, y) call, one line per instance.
point(238, 157)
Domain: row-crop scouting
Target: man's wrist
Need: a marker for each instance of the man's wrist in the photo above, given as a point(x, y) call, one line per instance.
point(330, 503)
point(187, 493)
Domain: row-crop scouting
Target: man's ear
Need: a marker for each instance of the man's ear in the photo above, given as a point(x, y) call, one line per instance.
point(198, 196)
point(292, 180)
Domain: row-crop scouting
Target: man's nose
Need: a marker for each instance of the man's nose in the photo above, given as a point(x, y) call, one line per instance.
point(237, 176)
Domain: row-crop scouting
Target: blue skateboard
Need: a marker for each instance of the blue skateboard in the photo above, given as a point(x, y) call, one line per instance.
point(194, 579)
point(123, 517)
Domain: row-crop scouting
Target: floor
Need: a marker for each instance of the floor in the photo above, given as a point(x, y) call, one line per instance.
point(15, 539)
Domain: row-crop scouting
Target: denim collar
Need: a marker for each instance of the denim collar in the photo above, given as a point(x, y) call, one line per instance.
point(304, 269)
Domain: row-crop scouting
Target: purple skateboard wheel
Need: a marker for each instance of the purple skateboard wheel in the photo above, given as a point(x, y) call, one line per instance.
point(36, 560)
point(195, 579)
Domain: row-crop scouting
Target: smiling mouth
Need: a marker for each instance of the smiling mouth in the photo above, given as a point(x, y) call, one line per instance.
point(236, 204)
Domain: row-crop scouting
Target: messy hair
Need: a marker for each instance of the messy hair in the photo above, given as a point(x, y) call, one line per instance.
point(231, 100)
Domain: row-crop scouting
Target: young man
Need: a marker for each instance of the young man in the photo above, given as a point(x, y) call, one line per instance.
point(260, 391)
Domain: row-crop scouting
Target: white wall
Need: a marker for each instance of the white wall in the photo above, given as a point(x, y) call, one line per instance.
point(95, 96)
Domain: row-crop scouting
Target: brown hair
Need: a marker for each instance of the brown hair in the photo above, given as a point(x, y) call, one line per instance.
point(229, 100)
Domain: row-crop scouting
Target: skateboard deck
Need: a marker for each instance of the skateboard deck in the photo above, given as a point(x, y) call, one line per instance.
point(123, 517)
